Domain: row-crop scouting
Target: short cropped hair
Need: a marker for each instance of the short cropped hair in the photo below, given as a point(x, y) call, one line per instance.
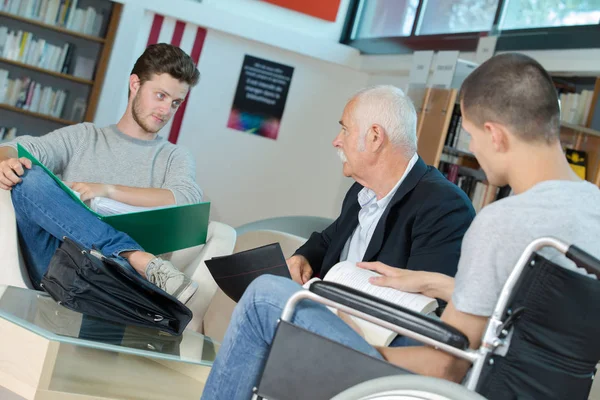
point(514, 90)
point(391, 108)
point(164, 58)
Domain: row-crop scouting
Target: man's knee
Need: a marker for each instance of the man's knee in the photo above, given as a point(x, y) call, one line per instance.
point(276, 289)
point(34, 182)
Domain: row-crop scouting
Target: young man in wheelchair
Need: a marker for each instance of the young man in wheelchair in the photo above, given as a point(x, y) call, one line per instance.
point(511, 110)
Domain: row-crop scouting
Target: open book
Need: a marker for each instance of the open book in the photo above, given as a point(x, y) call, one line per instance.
point(157, 230)
point(348, 274)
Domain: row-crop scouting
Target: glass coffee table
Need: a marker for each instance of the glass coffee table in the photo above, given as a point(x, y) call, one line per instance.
point(49, 352)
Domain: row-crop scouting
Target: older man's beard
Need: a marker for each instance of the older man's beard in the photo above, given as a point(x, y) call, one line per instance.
point(342, 155)
point(135, 112)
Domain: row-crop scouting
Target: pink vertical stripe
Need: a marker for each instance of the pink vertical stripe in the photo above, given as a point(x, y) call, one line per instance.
point(196, 51)
point(155, 30)
point(178, 33)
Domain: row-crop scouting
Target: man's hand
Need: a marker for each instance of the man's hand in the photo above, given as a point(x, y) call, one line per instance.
point(431, 284)
point(11, 170)
point(300, 269)
point(88, 191)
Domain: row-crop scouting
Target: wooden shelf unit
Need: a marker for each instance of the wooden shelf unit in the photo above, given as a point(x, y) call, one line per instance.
point(100, 68)
point(47, 71)
point(36, 115)
point(52, 27)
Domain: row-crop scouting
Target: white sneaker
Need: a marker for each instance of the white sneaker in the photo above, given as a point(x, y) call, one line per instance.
point(164, 275)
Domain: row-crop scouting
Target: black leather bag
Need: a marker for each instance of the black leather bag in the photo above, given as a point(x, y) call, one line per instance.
point(102, 287)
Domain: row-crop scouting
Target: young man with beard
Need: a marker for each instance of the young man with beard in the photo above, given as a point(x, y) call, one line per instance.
point(127, 162)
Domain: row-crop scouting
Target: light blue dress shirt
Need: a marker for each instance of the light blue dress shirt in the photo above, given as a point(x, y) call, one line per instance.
point(369, 215)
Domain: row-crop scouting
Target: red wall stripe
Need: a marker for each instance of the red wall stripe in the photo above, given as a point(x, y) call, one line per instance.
point(178, 33)
point(178, 117)
point(155, 30)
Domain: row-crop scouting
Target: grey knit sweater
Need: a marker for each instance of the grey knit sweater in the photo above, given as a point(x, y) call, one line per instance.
point(85, 153)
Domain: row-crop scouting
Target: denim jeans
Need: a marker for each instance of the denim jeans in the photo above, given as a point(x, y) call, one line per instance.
point(45, 214)
point(246, 344)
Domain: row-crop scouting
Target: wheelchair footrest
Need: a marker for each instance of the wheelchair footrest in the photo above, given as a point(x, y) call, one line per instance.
point(303, 365)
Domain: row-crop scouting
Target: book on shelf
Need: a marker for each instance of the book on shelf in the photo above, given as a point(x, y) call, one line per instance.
point(457, 137)
point(62, 13)
point(24, 47)
point(577, 161)
point(480, 192)
point(348, 274)
point(29, 95)
point(575, 107)
point(84, 67)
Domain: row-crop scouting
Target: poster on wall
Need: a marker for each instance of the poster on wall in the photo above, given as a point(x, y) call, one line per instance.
point(260, 97)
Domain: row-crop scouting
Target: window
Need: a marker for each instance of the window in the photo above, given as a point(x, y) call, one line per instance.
point(527, 14)
point(403, 26)
point(456, 16)
point(385, 18)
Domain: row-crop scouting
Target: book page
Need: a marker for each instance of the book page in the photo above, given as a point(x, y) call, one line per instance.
point(105, 206)
point(348, 274)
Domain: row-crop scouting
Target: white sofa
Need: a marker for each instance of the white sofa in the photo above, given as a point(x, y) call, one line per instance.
point(220, 242)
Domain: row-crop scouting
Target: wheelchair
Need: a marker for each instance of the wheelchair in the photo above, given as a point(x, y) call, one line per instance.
point(541, 342)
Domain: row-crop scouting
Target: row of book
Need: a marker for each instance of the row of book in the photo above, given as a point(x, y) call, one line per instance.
point(24, 47)
point(63, 13)
point(457, 137)
point(7, 133)
point(479, 191)
point(575, 107)
point(29, 95)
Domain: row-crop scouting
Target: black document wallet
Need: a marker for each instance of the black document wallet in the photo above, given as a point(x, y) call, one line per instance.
point(235, 272)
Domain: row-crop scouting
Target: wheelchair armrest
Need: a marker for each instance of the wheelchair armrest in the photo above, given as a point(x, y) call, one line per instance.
point(399, 316)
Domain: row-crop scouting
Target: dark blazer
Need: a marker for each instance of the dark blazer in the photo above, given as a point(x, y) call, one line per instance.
point(421, 229)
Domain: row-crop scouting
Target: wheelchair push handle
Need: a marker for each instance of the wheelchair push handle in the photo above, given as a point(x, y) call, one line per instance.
point(584, 260)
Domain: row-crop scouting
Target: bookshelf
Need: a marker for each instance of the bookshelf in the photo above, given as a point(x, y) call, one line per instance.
point(74, 75)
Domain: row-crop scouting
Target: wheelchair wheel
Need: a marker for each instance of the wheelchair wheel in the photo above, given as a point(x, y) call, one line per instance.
point(408, 387)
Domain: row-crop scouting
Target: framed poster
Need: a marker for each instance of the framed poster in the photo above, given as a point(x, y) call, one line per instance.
point(260, 97)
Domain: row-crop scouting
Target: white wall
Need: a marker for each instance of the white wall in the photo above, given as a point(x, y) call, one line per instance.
point(244, 176)
point(247, 177)
point(258, 21)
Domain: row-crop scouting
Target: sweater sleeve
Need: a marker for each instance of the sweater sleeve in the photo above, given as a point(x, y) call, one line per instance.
point(181, 178)
point(55, 149)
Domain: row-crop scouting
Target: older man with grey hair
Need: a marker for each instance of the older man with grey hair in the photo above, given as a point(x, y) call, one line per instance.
point(400, 212)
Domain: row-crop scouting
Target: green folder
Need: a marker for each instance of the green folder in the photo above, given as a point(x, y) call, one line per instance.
point(158, 231)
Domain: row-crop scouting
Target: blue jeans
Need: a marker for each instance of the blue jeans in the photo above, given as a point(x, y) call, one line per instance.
point(246, 344)
point(45, 214)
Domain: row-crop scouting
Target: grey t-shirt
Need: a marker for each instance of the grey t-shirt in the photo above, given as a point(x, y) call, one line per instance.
point(86, 153)
point(567, 210)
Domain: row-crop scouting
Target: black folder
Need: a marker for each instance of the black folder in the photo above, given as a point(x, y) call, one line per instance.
point(235, 272)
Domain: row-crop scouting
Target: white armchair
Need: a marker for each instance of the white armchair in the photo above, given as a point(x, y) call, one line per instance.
point(12, 267)
point(219, 242)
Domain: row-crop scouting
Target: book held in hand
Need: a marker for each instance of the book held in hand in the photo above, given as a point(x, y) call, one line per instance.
point(348, 274)
point(234, 273)
point(157, 230)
